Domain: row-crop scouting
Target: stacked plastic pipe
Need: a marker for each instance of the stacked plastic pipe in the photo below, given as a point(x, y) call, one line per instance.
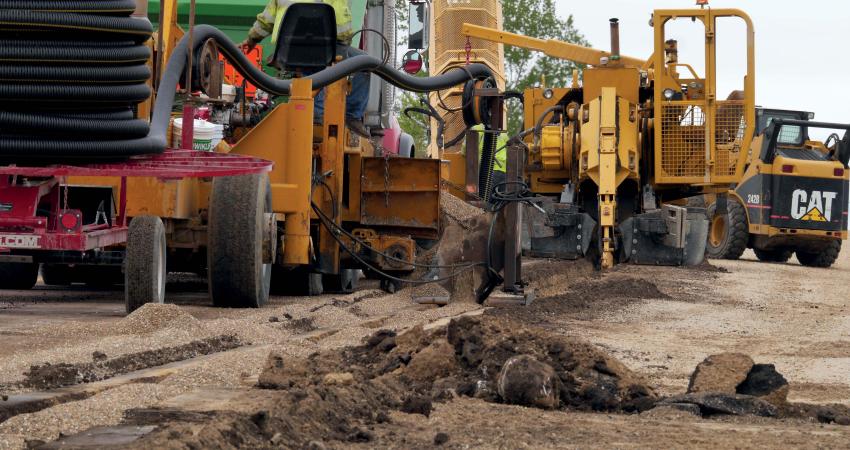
point(71, 76)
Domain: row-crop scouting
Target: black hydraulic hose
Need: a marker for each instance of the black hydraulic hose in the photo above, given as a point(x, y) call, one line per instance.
point(485, 166)
point(177, 63)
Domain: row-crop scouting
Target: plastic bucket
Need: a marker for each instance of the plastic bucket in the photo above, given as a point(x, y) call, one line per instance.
point(207, 135)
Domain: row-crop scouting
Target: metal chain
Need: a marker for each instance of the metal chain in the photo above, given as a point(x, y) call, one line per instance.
point(65, 201)
point(468, 50)
point(387, 180)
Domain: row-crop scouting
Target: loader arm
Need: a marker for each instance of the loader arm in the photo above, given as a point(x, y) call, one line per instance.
point(551, 47)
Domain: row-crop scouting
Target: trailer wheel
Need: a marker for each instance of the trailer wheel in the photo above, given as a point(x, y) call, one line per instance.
point(144, 271)
point(238, 275)
point(779, 255)
point(727, 235)
point(57, 275)
point(18, 276)
point(825, 258)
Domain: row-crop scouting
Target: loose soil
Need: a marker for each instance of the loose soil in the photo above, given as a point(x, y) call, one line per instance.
point(654, 323)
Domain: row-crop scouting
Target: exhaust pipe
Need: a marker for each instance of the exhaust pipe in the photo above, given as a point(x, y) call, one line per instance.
point(615, 39)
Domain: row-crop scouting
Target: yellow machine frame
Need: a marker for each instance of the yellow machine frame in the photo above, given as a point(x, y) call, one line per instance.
point(689, 151)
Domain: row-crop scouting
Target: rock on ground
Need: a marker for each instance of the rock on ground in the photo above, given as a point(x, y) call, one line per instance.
point(720, 403)
point(720, 373)
point(529, 382)
point(765, 382)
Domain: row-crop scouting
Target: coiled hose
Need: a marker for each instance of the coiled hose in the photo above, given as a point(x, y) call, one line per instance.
point(71, 94)
point(71, 73)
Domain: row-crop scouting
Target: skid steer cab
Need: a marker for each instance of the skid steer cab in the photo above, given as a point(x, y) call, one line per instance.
point(793, 197)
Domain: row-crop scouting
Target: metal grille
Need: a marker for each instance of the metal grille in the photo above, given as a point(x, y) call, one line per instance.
point(682, 140)
point(449, 45)
point(448, 49)
point(729, 136)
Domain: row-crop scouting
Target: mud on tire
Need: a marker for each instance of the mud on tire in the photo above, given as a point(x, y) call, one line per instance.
point(825, 258)
point(727, 237)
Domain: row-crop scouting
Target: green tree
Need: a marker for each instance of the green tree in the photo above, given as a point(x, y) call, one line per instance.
point(525, 68)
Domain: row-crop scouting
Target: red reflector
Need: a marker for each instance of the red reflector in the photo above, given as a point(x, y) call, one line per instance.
point(70, 221)
point(787, 168)
point(839, 172)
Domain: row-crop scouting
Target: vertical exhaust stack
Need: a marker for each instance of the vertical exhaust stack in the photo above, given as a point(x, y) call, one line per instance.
point(615, 39)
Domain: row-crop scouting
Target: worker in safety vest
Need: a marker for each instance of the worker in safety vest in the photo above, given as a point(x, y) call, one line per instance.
point(268, 24)
point(500, 164)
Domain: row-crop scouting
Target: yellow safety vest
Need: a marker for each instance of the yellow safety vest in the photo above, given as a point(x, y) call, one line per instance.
point(269, 21)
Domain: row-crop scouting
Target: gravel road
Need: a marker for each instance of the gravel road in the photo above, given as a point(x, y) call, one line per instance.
point(659, 321)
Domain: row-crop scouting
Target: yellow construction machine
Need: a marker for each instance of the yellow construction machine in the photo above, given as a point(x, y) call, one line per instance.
point(333, 203)
point(616, 149)
point(792, 197)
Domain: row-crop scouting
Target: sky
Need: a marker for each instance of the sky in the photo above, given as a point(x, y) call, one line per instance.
point(802, 48)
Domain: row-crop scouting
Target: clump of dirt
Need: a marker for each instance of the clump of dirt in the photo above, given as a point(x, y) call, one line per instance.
point(340, 395)
point(302, 325)
point(153, 317)
point(584, 295)
point(707, 266)
point(51, 376)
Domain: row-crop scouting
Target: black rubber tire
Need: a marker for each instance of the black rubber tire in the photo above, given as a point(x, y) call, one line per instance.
point(238, 277)
point(145, 263)
point(344, 283)
point(824, 258)
point(779, 255)
point(733, 241)
point(57, 275)
point(18, 276)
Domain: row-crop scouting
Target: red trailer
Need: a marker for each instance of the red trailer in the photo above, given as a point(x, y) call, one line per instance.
point(41, 224)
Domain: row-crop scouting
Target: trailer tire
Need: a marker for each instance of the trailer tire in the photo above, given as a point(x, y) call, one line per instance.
point(727, 236)
point(144, 270)
point(57, 275)
point(18, 276)
point(825, 258)
point(238, 276)
point(779, 255)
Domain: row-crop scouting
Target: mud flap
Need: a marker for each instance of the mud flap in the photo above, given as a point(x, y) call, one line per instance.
point(561, 233)
point(671, 236)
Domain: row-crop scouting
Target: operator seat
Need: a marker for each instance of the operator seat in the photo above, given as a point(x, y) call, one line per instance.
point(307, 40)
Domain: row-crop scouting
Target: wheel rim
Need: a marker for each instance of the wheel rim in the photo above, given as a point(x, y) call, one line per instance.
point(718, 231)
point(160, 275)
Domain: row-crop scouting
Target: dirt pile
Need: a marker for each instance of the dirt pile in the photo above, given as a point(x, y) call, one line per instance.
point(153, 317)
point(340, 396)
